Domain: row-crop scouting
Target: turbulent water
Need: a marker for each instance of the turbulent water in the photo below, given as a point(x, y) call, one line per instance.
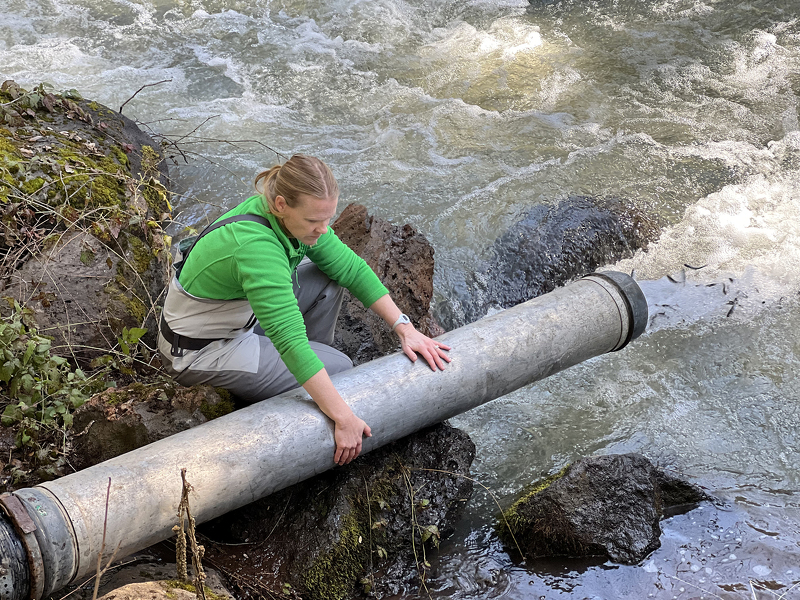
point(459, 116)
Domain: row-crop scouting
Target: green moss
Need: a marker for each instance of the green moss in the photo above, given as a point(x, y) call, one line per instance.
point(511, 519)
point(100, 233)
point(142, 255)
point(221, 408)
point(135, 391)
point(121, 157)
point(173, 584)
point(94, 106)
point(32, 186)
point(93, 182)
point(8, 149)
point(332, 575)
point(7, 184)
point(150, 160)
point(131, 305)
point(134, 307)
point(138, 389)
point(155, 195)
point(115, 398)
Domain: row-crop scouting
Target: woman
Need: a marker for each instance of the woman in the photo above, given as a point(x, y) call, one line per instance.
point(253, 308)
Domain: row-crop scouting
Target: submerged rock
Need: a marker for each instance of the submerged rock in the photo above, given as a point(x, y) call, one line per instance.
point(83, 194)
point(361, 528)
point(548, 247)
point(598, 506)
point(403, 260)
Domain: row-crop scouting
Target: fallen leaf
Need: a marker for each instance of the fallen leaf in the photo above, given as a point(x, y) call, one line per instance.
point(49, 102)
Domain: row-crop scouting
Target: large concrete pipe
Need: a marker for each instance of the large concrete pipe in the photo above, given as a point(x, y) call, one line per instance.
point(52, 533)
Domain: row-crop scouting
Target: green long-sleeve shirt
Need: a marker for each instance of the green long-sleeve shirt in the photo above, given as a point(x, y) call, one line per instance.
point(248, 260)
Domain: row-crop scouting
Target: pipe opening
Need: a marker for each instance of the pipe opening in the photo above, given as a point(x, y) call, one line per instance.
point(14, 573)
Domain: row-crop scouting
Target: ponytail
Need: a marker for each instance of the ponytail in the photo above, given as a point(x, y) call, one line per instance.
point(300, 175)
point(265, 185)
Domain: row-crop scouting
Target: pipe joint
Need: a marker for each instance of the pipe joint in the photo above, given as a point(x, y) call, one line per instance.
point(630, 301)
point(46, 536)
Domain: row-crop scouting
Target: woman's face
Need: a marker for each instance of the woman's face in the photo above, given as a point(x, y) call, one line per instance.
point(309, 219)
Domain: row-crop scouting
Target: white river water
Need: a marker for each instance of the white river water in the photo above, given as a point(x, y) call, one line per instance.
point(457, 116)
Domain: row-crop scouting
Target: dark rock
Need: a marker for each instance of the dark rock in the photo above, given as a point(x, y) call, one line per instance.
point(117, 421)
point(403, 260)
point(84, 193)
point(350, 530)
point(598, 506)
point(550, 246)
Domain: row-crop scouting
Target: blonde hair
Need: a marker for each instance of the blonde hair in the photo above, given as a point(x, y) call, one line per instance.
point(300, 174)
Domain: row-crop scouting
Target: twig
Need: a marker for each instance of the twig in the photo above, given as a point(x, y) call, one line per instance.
point(12, 102)
point(496, 501)
point(280, 518)
point(101, 571)
point(782, 596)
point(369, 513)
point(88, 579)
point(140, 89)
point(414, 524)
point(183, 137)
point(197, 550)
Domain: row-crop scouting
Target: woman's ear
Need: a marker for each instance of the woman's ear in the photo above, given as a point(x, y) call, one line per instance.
point(280, 205)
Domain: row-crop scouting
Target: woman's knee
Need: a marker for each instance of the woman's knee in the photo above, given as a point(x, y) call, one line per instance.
point(334, 361)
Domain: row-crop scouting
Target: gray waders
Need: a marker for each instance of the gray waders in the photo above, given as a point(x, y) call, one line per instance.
point(236, 354)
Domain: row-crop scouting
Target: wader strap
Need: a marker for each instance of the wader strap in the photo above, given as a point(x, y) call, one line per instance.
point(216, 225)
point(180, 343)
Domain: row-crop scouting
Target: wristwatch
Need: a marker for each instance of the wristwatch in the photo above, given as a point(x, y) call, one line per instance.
point(401, 320)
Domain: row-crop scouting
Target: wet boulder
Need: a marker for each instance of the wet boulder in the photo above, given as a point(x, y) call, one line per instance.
point(362, 528)
point(83, 193)
point(548, 247)
point(598, 506)
point(120, 420)
point(403, 260)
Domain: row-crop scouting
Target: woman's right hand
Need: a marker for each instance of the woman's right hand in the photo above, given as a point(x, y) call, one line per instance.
point(348, 434)
point(348, 428)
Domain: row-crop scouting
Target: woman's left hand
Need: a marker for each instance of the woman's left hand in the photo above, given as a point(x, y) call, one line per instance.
point(413, 342)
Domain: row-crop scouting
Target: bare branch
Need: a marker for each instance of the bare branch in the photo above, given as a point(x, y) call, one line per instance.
point(140, 89)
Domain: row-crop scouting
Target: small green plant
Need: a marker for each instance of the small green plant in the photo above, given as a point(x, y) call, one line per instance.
point(123, 359)
point(40, 390)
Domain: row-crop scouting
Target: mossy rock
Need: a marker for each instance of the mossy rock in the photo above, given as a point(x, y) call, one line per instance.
point(608, 506)
point(83, 193)
point(363, 528)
